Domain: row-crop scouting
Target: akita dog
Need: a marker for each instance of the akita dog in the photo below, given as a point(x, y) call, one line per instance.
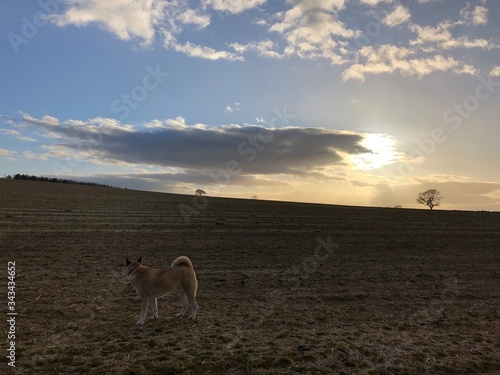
point(152, 283)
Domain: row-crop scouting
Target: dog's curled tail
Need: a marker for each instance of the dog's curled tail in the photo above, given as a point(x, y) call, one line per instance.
point(182, 261)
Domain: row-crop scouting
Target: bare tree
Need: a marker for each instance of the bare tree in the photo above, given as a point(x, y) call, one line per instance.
point(431, 198)
point(199, 192)
point(255, 197)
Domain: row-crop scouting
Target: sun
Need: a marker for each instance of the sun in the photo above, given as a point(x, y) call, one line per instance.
point(382, 149)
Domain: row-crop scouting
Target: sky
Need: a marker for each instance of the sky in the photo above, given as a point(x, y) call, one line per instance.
point(357, 102)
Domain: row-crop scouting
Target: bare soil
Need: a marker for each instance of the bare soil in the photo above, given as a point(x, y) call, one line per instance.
point(284, 288)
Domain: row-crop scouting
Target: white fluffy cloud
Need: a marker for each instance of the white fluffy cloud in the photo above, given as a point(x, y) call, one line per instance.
point(480, 15)
point(398, 16)
point(127, 19)
point(476, 16)
point(312, 29)
point(6, 153)
point(375, 2)
point(441, 37)
point(427, 1)
point(206, 53)
point(495, 71)
point(71, 128)
point(46, 120)
point(194, 17)
point(390, 59)
point(232, 6)
point(263, 48)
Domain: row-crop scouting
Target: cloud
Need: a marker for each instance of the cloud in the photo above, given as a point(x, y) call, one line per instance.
point(375, 2)
point(427, 1)
point(292, 151)
point(312, 30)
point(32, 155)
point(7, 153)
point(193, 17)
point(74, 130)
point(178, 123)
point(264, 48)
point(306, 10)
point(354, 100)
point(308, 29)
point(143, 20)
point(255, 150)
point(476, 16)
point(127, 19)
point(106, 125)
point(440, 37)
point(204, 52)
point(397, 17)
point(45, 120)
point(16, 134)
point(234, 108)
point(232, 6)
point(495, 71)
point(390, 59)
point(480, 15)
point(260, 22)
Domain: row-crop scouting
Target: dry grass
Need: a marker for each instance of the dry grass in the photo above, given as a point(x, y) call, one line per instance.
point(401, 291)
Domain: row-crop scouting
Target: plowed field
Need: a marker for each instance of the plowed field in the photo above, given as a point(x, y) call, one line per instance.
point(284, 288)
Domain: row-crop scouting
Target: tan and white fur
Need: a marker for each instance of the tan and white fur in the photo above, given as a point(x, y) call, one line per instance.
point(152, 283)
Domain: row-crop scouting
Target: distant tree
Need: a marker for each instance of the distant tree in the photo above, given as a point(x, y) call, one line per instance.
point(431, 198)
point(255, 197)
point(58, 180)
point(398, 206)
point(199, 192)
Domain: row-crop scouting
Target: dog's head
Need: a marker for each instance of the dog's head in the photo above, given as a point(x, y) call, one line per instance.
point(131, 266)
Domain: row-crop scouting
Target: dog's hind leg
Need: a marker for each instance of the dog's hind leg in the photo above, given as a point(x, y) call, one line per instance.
point(144, 310)
point(154, 306)
point(194, 307)
point(184, 302)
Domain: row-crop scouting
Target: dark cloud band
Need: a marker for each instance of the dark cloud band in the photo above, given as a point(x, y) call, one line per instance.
point(245, 150)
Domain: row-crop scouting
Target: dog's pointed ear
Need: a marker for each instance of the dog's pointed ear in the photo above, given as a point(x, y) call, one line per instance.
point(127, 261)
point(139, 260)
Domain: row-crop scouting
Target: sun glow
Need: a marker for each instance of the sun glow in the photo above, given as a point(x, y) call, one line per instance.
point(382, 152)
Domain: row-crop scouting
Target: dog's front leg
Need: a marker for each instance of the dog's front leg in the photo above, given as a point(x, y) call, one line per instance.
point(144, 310)
point(154, 307)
